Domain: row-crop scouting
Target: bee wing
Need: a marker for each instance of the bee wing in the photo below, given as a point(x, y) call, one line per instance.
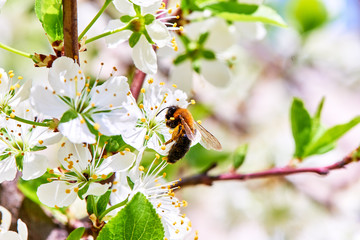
point(188, 131)
point(208, 140)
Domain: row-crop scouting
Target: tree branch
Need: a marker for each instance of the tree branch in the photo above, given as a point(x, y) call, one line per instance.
point(137, 83)
point(71, 44)
point(206, 179)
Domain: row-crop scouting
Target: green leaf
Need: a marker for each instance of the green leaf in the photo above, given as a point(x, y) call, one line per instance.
point(102, 202)
point(316, 128)
point(149, 18)
point(240, 155)
point(263, 14)
point(138, 220)
point(308, 14)
point(68, 115)
point(232, 7)
point(328, 139)
point(301, 126)
point(50, 14)
point(134, 38)
point(76, 234)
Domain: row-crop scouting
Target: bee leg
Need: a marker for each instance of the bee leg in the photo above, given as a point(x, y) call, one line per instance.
point(175, 135)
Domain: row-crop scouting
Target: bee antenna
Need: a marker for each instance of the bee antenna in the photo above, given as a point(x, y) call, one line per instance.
point(161, 111)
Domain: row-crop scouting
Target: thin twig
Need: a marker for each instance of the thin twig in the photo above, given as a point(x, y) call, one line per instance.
point(137, 83)
point(71, 44)
point(206, 179)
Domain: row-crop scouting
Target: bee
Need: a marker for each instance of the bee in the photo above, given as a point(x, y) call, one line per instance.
point(185, 129)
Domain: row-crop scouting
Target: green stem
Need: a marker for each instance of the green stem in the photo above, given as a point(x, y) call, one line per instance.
point(106, 34)
point(19, 119)
point(106, 4)
point(112, 208)
point(13, 50)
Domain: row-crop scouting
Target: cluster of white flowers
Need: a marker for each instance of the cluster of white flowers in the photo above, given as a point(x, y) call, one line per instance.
point(79, 112)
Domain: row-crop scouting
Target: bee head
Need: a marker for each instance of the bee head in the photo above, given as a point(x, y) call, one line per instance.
point(169, 117)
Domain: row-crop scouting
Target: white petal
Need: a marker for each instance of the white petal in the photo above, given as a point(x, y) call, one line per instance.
point(76, 131)
point(10, 235)
point(63, 75)
point(7, 169)
point(34, 165)
point(22, 229)
point(54, 193)
point(158, 33)
point(250, 30)
point(4, 82)
point(115, 122)
point(146, 3)
point(182, 76)
point(45, 102)
point(122, 187)
point(79, 155)
point(5, 219)
point(135, 137)
point(97, 189)
point(117, 163)
point(220, 37)
point(117, 38)
point(215, 72)
point(144, 56)
point(23, 93)
point(111, 93)
point(124, 6)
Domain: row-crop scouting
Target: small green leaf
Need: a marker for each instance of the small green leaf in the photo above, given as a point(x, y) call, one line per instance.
point(50, 14)
point(68, 116)
point(301, 126)
point(102, 202)
point(208, 54)
point(263, 14)
point(130, 183)
point(137, 9)
point(316, 128)
point(149, 18)
point(76, 234)
point(240, 155)
point(134, 38)
point(181, 58)
point(137, 220)
point(126, 18)
point(328, 139)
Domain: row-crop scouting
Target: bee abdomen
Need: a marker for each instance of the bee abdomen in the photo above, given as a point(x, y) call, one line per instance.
point(179, 149)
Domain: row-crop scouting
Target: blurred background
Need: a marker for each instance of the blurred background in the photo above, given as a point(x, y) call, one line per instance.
point(316, 56)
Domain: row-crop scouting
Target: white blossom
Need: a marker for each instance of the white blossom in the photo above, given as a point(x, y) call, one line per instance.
point(159, 192)
point(11, 91)
point(150, 129)
point(149, 25)
point(19, 149)
point(2, 2)
point(5, 222)
point(81, 174)
point(80, 106)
